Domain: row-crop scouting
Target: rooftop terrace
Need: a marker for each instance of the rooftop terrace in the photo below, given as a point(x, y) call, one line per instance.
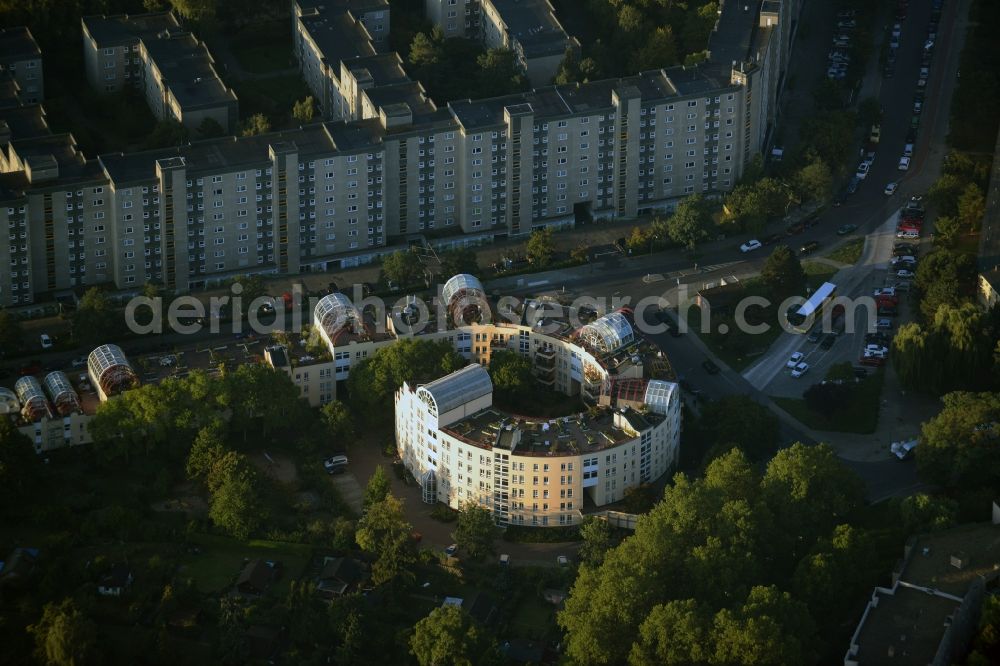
point(573, 434)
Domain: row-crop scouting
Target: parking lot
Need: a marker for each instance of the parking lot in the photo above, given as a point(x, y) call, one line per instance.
point(873, 271)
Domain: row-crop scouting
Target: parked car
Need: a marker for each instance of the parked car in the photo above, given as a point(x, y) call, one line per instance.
point(815, 334)
point(884, 291)
point(45, 341)
point(750, 246)
point(795, 359)
point(904, 248)
point(710, 367)
point(800, 369)
point(862, 171)
point(904, 273)
point(337, 462)
point(883, 323)
point(890, 189)
point(852, 186)
point(828, 341)
point(811, 246)
point(846, 229)
point(451, 550)
point(904, 163)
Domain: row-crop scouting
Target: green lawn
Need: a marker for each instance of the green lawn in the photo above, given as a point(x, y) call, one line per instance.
point(533, 619)
point(859, 416)
point(736, 349)
point(221, 560)
point(849, 252)
point(263, 48)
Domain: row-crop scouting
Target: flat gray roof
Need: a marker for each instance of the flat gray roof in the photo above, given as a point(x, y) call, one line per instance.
point(338, 36)
point(16, 44)
point(120, 29)
point(24, 122)
point(533, 25)
point(186, 65)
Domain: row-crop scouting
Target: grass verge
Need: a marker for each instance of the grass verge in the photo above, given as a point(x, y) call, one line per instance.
point(849, 252)
point(859, 415)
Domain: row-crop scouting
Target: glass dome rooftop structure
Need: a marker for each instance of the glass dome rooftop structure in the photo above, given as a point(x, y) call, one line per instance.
point(659, 394)
point(64, 397)
point(335, 312)
point(609, 333)
point(465, 298)
point(9, 403)
point(34, 405)
point(456, 389)
point(110, 370)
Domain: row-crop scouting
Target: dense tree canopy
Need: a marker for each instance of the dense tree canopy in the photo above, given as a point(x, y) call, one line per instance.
point(374, 381)
point(695, 584)
point(459, 260)
point(384, 532)
point(19, 465)
point(475, 531)
point(402, 268)
point(737, 421)
point(783, 275)
point(449, 637)
point(96, 320)
point(691, 222)
point(960, 447)
point(540, 248)
point(64, 636)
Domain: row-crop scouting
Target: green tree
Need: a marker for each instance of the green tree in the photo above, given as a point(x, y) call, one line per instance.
point(958, 447)
point(540, 248)
point(196, 10)
point(927, 513)
point(96, 320)
point(402, 268)
point(303, 110)
point(597, 537)
point(499, 72)
point(809, 491)
point(263, 402)
point(752, 205)
point(11, 335)
point(252, 287)
point(677, 632)
point(385, 532)
point(738, 421)
point(210, 128)
point(166, 134)
point(814, 181)
point(691, 222)
point(639, 239)
point(256, 124)
point(783, 274)
point(449, 637)
point(374, 381)
point(947, 231)
point(513, 380)
point(19, 466)
point(971, 207)
point(339, 423)
point(475, 531)
point(836, 572)
point(945, 192)
point(425, 51)
point(658, 50)
point(569, 69)
point(236, 506)
point(769, 628)
point(944, 277)
point(459, 260)
point(377, 488)
point(63, 635)
point(207, 462)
